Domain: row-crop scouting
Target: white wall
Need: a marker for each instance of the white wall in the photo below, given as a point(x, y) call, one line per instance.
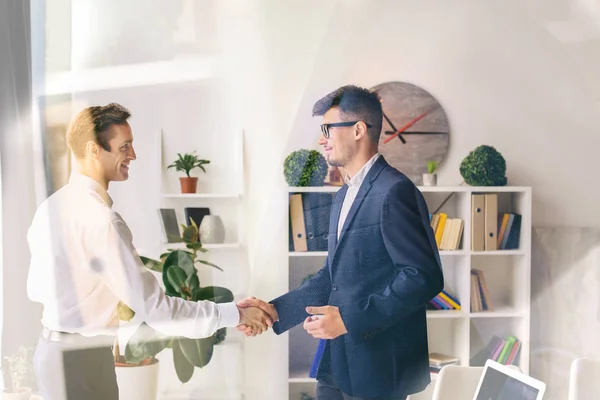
point(515, 75)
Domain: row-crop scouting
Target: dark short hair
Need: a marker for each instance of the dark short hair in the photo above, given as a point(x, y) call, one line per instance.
point(354, 103)
point(104, 117)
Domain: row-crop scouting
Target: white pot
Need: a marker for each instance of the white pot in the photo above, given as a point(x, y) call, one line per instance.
point(24, 393)
point(211, 229)
point(429, 179)
point(137, 382)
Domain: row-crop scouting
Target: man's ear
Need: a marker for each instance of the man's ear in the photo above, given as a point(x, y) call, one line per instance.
point(360, 130)
point(92, 149)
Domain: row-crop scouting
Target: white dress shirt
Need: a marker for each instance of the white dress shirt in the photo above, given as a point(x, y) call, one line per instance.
point(353, 187)
point(83, 262)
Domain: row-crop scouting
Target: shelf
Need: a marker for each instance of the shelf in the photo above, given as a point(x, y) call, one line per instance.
point(446, 314)
point(307, 254)
point(200, 196)
point(313, 189)
point(132, 75)
point(453, 252)
point(499, 253)
point(430, 189)
point(502, 313)
point(208, 246)
point(302, 380)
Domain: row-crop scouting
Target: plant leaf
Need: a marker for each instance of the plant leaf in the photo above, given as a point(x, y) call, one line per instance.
point(184, 369)
point(151, 264)
point(197, 351)
point(177, 278)
point(192, 282)
point(216, 294)
point(181, 258)
point(211, 264)
point(190, 234)
point(144, 343)
point(194, 246)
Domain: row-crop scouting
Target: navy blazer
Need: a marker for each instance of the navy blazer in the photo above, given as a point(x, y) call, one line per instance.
point(381, 273)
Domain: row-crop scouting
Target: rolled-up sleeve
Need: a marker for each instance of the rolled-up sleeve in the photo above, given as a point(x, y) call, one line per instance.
point(118, 264)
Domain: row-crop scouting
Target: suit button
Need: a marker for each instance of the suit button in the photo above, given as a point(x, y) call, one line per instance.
point(334, 286)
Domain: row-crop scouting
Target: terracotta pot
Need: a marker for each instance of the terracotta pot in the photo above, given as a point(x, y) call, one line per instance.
point(188, 185)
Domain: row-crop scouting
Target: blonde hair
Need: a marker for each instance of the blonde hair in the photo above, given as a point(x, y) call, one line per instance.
point(93, 124)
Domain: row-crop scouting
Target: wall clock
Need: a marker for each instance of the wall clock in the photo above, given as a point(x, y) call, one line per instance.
point(415, 128)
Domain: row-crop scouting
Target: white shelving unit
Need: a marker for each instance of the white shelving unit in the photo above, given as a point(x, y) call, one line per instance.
point(461, 333)
point(223, 378)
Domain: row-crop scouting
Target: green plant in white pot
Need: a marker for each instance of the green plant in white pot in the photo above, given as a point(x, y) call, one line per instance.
point(20, 372)
point(180, 278)
point(430, 178)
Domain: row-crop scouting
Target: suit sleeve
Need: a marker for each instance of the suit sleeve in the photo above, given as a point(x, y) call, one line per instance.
point(411, 246)
point(291, 307)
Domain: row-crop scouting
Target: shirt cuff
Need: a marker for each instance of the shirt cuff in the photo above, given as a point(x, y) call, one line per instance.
point(230, 315)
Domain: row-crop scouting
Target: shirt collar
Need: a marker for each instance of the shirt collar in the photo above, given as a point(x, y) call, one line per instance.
point(87, 182)
point(358, 179)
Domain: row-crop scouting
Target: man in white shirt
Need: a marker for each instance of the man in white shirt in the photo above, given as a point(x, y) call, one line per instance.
point(83, 263)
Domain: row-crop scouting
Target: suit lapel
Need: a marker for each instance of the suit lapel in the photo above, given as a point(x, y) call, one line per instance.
point(333, 223)
point(375, 170)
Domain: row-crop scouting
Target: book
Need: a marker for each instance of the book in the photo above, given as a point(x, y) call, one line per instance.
point(169, 225)
point(196, 214)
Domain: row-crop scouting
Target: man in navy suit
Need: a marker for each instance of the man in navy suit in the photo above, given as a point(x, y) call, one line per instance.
point(369, 300)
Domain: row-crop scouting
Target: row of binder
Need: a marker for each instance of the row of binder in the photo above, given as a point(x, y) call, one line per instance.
point(309, 221)
point(491, 230)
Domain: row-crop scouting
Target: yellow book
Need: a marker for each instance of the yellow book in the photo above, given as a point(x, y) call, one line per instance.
point(449, 300)
point(439, 231)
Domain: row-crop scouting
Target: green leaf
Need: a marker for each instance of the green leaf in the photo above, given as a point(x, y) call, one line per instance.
point(192, 282)
point(194, 246)
point(177, 277)
point(183, 367)
point(151, 264)
point(124, 312)
point(213, 293)
point(197, 351)
point(211, 264)
point(144, 343)
point(190, 234)
point(181, 258)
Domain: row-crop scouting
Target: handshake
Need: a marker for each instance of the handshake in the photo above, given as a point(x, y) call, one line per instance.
point(256, 316)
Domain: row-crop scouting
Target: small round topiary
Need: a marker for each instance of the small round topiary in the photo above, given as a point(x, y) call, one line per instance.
point(484, 166)
point(305, 168)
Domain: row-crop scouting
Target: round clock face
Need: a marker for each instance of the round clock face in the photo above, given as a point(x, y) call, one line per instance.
point(424, 132)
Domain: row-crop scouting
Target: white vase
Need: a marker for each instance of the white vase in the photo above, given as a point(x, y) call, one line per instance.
point(138, 382)
point(24, 393)
point(429, 179)
point(211, 229)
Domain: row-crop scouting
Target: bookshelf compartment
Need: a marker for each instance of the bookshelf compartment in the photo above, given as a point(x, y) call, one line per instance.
point(482, 331)
point(446, 336)
point(455, 269)
point(506, 280)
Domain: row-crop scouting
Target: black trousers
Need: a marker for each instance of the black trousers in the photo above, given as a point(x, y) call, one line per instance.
point(65, 371)
point(327, 390)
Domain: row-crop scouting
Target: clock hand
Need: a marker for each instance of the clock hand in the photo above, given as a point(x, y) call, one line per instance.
point(393, 127)
point(405, 127)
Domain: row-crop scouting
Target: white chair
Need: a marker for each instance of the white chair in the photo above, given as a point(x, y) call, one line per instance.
point(584, 380)
point(455, 382)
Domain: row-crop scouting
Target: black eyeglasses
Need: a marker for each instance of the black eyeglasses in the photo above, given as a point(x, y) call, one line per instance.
point(325, 127)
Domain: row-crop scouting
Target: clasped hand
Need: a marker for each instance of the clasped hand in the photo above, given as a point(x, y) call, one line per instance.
point(323, 323)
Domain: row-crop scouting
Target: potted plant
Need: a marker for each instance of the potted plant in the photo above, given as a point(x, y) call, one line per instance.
point(21, 372)
point(484, 166)
point(430, 178)
point(305, 168)
point(186, 163)
point(180, 279)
